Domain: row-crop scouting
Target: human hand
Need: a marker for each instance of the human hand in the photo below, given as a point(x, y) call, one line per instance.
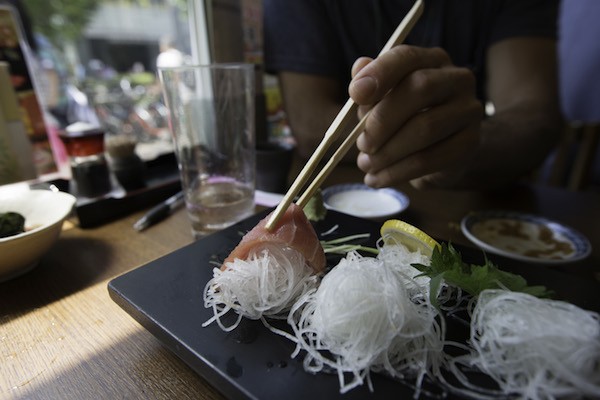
point(425, 118)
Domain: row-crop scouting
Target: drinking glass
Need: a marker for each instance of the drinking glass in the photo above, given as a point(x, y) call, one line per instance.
point(211, 119)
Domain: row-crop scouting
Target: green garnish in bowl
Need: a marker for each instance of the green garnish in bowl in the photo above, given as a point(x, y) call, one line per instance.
point(11, 223)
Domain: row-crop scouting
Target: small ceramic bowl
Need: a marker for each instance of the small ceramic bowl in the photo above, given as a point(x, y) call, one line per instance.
point(525, 237)
point(44, 213)
point(365, 202)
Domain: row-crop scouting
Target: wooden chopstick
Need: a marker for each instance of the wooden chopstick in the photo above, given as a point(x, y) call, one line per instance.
point(333, 162)
point(335, 130)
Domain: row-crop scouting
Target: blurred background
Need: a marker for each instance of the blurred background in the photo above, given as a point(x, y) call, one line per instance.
point(96, 61)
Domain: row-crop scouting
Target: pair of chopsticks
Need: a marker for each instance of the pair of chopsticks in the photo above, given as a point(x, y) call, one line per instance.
point(335, 130)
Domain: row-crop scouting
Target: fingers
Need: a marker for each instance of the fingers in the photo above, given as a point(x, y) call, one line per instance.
point(372, 80)
point(424, 117)
point(422, 90)
point(433, 140)
point(359, 64)
point(447, 155)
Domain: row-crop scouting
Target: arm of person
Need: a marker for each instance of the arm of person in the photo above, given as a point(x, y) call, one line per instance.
point(527, 123)
point(311, 103)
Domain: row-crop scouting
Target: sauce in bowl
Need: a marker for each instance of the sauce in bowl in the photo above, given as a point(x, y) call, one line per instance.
point(365, 202)
point(525, 238)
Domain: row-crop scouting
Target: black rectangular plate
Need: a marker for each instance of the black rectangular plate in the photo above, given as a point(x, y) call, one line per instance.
point(165, 296)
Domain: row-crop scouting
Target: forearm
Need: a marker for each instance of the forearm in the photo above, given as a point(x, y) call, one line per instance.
point(514, 142)
point(527, 122)
point(312, 103)
point(308, 130)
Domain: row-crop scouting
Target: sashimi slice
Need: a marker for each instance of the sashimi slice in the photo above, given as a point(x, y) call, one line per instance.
point(293, 230)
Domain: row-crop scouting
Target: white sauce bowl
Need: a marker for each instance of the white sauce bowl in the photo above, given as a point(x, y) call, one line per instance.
point(365, 202)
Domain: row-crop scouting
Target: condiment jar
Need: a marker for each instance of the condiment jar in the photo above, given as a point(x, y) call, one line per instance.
point(89, 169)
point(125, 164)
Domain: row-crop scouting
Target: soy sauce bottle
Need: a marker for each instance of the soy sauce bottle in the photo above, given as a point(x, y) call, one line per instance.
point(89, 168)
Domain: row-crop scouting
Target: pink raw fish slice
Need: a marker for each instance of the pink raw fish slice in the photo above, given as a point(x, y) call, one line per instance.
point(293, 230)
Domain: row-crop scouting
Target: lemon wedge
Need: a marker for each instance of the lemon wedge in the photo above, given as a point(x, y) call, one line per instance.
point(396, 231)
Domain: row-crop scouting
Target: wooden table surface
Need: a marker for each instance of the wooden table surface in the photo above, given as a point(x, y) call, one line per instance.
point(62, 337)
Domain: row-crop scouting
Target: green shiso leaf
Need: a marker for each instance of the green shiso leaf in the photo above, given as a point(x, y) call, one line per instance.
point(447, 266)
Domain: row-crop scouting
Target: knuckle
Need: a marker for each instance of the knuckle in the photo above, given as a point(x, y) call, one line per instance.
point(420, 81)
point(441, 55)
point(375, 123)
point(359, 64)
point(363, 143)
point(467, 78)
point(363, 162)
point(385, 178)
point(404, 51)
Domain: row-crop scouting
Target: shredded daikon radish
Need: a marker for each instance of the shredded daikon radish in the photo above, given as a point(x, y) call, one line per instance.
point(534, 348)
point(266, 284)
point(361, 319)
point(399, 258)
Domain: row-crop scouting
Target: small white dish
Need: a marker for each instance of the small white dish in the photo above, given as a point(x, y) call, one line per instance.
point(44, 213)
point(365, 202)
point(525, 237)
